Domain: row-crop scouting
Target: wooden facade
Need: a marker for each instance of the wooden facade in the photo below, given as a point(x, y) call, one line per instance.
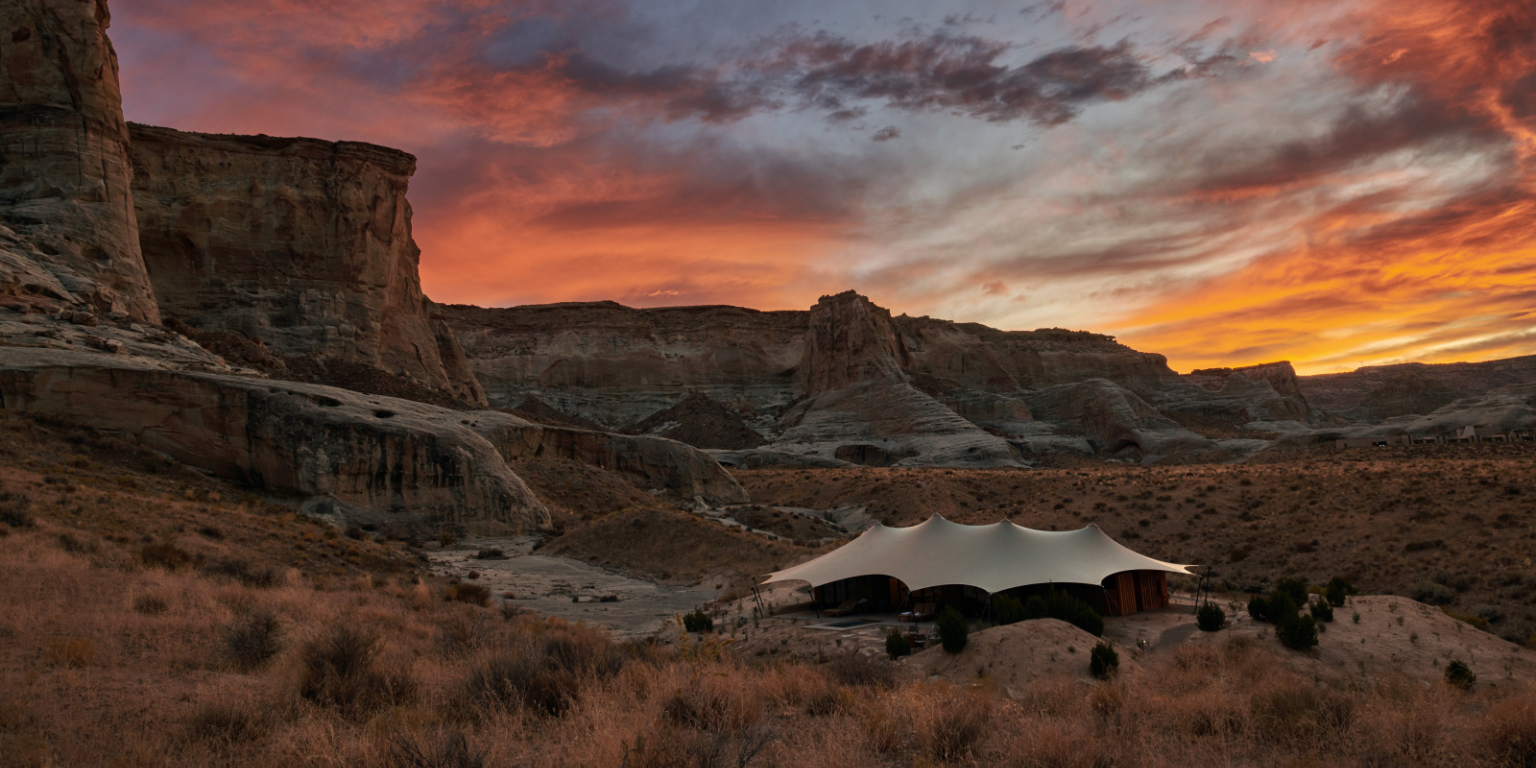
point(1128, 592)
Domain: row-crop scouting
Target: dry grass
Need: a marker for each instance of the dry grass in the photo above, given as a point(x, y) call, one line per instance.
point(1445, 523)
point(370, 674)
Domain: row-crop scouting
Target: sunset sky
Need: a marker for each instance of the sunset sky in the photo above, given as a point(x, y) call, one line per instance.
point(1225, 182)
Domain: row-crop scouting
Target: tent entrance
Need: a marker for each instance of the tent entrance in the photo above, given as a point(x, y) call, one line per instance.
point(1129, 592)
point(878, 594)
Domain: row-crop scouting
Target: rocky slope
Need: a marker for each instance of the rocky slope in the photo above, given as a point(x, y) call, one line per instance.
point(1384, 392)
point(845, 382)
point(362, 458)
point(303, 244)
point(64, 166)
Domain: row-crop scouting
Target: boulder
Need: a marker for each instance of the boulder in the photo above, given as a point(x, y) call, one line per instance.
point(303, 244)
point(65, 172)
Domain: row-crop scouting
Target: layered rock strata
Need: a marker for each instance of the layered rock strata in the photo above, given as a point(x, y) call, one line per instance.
point(301, 243)
point(1343, 393)
point(616, 365)
point(380, 459)
point(65, 172)
point(384, 460)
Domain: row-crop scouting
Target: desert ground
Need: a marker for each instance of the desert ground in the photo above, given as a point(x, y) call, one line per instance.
point(155, 616)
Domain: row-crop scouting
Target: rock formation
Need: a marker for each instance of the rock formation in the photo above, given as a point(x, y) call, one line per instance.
point(701, 422)
point(1341, 393)
point(1404, 393)
point(860, 402)
point(1268, 392)
point(383, 460)
point(616, 365)
point(64, 166)
point(301, 243)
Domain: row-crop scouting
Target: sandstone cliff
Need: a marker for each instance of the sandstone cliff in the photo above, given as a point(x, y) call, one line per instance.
point(860, 402)
point(1268, 392)
point(301, 243)
point(64, 166)
point(617, 365)
point(848, 383)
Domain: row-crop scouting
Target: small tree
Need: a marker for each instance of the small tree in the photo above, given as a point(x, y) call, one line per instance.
point(1322, 610)
point(1297, 632)
point(1457, 673)
point(1258, 608)
point(897, 645)
point(698, 621)
point(1338, 589)
point(1210, 617)
point(1103, 661)
point(954, 630)
point(1009, 610)
point(1035, 608)
point(1294, 587)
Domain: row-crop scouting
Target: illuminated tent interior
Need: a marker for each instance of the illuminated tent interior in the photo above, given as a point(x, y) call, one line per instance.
point(953, 564)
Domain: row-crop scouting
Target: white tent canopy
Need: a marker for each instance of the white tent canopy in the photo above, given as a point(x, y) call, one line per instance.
point(990, 557)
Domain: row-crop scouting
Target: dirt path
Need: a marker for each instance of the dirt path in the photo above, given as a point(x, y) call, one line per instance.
point(557, 586)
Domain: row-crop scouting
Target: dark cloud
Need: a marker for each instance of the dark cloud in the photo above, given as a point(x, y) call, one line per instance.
point(887, 133)
point(941, 72)
point(959, 74)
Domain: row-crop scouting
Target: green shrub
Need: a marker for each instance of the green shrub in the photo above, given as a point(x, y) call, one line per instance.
point(1294, 588)
point(1338, 589)
point(1210, 617)
point(897, 645)
point(1258, 608)
point(1457, 673)
point(1035, 608)
point(1009, 610)
point(1321, 610)
point(954, 630)
point(1103, 661)
point(1296, 632)
point(1433, 594)
point(698, 621)
point(1061, 605)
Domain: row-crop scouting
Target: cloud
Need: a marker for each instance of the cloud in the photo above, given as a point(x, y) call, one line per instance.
point(887, 133)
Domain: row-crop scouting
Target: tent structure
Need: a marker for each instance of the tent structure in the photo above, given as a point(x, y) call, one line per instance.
point(992, 558)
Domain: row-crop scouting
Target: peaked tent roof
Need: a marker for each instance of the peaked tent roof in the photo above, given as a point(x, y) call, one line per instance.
point(991, 557)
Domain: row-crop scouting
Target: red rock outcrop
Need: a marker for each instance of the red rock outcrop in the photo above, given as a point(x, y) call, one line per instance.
point(64, 166)
point(301, 243)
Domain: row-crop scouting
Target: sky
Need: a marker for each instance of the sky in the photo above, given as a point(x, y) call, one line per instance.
point(1227, 182)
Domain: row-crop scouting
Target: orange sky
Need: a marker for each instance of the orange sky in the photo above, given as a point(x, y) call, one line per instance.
point(1333, 183)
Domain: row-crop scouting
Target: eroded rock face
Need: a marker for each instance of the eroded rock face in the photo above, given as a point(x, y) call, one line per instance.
point(1342, 393)
point(975, 357)
point(1115, 419)
point(385, 460)
point(64, 166)
point(1268, 392)
point(301, 243)
point(616, 365)
point(650, 462)
point(854, 373)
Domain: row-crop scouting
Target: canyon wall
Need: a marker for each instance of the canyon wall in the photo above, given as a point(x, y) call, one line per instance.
point(301, 243)
point(64, 167)
point(616, 365)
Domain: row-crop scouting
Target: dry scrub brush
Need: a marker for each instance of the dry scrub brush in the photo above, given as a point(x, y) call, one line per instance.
point(104, 661)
